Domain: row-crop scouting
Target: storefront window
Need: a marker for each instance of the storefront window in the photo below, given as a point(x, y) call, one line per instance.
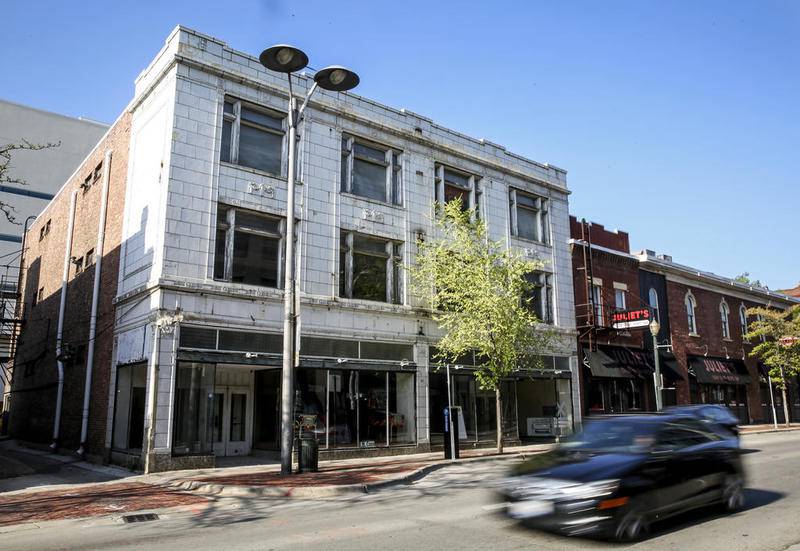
point(312, 386)
point(192, 431)
point(129, 407)
point(402, 410)
point(372, 408)
point(343, 410)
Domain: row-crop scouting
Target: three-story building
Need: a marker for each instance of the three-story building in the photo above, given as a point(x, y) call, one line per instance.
point(199, 239)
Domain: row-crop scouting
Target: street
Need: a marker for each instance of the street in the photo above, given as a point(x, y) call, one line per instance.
point(449, 508)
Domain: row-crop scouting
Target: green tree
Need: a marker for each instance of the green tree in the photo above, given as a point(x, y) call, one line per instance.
point(778, 335)
point(480, 297)
point(744, 277)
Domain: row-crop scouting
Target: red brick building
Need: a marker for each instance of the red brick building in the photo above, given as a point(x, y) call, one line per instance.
point(708, 318)
point(702, 317)
point(35, 388)
point(617, 372)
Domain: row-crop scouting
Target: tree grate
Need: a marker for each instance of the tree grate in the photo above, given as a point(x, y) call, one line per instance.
point(144, 517)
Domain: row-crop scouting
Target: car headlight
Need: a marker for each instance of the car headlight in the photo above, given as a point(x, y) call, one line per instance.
point(591, 490)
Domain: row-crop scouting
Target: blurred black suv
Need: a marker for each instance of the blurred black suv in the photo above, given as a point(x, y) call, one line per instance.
point(621, 474)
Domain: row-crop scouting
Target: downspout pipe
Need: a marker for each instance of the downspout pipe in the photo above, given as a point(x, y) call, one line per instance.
point(98, 259)
point(60, 331)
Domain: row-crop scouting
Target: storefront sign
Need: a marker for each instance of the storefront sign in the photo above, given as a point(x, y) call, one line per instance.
point(630, 319)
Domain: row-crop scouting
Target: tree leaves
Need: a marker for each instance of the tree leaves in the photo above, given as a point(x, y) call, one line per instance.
point(770, 327)
point(479, 294)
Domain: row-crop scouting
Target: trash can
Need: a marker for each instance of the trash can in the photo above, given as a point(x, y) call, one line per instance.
point(448, 452)
point(308, 462)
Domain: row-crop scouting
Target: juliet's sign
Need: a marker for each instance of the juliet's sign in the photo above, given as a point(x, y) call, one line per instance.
point(630, 319)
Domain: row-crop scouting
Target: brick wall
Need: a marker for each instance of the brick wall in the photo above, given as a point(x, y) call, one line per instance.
point(35, 377)
point(616, 240)
point(709, 336)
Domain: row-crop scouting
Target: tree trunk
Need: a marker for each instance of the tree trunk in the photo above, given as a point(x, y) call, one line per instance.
point(499, 401)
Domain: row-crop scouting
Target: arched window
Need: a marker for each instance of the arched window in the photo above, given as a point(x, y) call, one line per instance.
point(724, 313)
point(652, 298)
point(691, 319)
point(743, 319)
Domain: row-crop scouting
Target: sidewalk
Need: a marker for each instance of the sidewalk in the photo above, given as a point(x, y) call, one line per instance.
point(334, 478)
point(758, 429)
point(198, 488)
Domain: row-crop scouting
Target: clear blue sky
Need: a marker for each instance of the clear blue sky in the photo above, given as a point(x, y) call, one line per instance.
point(677, 121)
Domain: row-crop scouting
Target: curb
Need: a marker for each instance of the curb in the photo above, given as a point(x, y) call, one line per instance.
point(311, 492)
point(766, 431)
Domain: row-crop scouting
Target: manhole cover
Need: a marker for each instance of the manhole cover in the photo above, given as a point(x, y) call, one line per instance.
point(144, 517)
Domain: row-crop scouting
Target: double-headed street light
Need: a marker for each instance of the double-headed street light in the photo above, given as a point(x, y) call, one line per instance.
point(655, 327)
point(288, 59)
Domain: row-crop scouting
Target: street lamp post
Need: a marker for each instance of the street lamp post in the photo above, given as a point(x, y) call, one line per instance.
point(288, 59)
point(655, 327)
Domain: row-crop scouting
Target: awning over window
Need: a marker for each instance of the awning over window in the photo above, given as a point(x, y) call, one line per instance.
point(718, 371)
point(669, 366)
point(600, 365)
point(635, 361)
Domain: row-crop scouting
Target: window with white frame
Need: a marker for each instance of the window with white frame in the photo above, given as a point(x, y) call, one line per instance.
point(652, 298)
point(369, 268)
point(249, 247)
point(371, 171)
point(743, 320)
point(724, 314)
point(597, 301)
point(691, 306)
point(252, 136)
point(619, 296)
point(452, 184)
point(540, 297)
point(529, 216)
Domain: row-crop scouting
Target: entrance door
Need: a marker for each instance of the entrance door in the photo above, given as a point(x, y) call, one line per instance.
point(233, 421)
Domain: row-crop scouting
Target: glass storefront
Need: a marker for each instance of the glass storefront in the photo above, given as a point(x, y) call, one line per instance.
point(359, 408)
point(193, 427)
point(129, 407)
point(732, 396)
point(477, 413)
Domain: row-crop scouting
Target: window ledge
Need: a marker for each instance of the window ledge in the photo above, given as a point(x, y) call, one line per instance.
point(252, 170)
point(371, 201)
point(696, 335)
point(727, 339)
point(527, 240)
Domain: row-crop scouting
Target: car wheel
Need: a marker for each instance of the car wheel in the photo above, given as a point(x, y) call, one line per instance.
point(631, 527)
point(733, 493)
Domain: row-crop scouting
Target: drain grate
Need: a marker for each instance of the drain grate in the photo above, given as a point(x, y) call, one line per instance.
point(144, 517)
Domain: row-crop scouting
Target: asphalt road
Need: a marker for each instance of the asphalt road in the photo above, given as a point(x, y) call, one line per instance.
point(448, 509)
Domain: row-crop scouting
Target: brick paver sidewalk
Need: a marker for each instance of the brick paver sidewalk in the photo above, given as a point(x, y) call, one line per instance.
point(89, 501)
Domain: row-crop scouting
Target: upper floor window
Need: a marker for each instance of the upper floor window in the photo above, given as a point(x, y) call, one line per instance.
point(454, 184)
point(369, 268)
point(620, 299)
point(540, 299)
point(371, 171)
point(652, 298)
point(743, 319)
point(44, 230)
point(597, 301)
point(691, 319)
point(252, 137)
point(724, 314)
point(249, 247)
point(529, 216)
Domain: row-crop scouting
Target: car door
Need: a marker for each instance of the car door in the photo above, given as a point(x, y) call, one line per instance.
point(674, 446)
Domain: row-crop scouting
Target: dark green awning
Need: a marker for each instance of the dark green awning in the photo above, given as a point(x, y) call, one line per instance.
point(600, 365)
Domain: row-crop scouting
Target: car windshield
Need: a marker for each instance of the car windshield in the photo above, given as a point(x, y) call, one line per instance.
point(614, 435)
